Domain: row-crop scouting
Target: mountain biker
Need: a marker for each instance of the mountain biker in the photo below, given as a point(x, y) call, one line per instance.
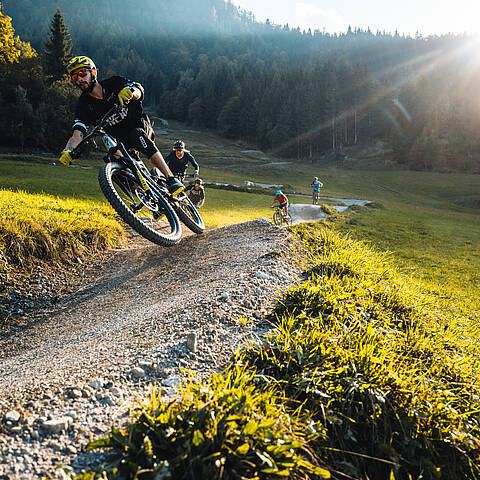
point(316, 184)
point(196, 193)
point(129, 124)
point(177, 160)
point(282, 199)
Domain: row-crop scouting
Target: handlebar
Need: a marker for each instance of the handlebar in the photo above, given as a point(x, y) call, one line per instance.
point(97, 129)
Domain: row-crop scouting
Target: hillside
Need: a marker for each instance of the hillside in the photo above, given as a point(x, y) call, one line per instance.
point(302, 95)
point(32, 18)
point(104, 330)
point(383, 369)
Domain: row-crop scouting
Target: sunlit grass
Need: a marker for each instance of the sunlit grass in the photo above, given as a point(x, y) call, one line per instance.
point(225, 207)
point(48, 228)
point(373, 375)
point(437, 247)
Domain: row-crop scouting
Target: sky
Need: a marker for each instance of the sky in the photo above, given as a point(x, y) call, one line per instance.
point(428, 17)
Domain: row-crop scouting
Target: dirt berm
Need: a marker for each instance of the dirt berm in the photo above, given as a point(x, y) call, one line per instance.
point(75, 367)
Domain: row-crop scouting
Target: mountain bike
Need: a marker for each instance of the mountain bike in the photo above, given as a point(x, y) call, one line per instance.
point(315, 196)
point(143, 203)
point(280, 217)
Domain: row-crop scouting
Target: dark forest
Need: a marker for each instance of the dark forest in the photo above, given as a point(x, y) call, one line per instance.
point(300, 94)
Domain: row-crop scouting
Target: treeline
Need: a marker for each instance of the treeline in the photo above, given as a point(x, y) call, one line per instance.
point(424, 105)
point(300, 94)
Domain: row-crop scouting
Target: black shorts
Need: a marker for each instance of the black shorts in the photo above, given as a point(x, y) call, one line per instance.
point(142, 138)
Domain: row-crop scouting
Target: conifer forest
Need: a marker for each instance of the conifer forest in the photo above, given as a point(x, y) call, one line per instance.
point(304, 95)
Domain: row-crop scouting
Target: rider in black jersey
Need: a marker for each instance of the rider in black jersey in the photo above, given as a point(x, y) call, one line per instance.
point(196, 193)
point(177, 160)
point(129, 125)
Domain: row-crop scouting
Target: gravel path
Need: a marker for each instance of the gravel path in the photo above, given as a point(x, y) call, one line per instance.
point(75, 366)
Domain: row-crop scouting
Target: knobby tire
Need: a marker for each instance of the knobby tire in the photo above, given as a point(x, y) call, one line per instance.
point(277, 218)
point(173, 231)
point(189, 215)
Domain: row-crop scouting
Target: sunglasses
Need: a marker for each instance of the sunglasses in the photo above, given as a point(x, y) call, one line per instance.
point(79, 73)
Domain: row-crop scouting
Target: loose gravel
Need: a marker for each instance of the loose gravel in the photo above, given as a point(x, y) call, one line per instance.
point(73, 368)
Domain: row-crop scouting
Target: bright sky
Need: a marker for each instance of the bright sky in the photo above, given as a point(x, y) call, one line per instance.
point(406, 16)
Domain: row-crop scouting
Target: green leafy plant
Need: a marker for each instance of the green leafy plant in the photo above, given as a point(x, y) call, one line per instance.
point(227, 428)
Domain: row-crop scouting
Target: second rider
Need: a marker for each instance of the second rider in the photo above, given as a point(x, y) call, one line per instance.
point(177, 160)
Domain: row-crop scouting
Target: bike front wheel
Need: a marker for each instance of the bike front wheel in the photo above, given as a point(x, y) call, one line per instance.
point(148, 214)
point(277, 218)
point(188, 214)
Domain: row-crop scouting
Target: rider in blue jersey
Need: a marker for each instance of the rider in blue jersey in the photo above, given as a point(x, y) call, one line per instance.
point(316, 184)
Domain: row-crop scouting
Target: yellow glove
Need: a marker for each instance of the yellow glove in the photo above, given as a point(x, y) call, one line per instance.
point(66, 157)
point(125, 95)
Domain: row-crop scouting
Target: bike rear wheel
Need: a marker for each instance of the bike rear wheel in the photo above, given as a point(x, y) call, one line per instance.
point(148, 214)
point(188, 214)
point(287, 219)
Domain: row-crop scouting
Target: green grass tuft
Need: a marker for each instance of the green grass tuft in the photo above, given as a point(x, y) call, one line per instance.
point(226, 428)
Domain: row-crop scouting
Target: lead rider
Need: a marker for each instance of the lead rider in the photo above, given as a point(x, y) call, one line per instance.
point(129, 125)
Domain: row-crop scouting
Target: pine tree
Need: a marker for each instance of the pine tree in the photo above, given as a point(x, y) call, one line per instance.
point(229, 119)
point(58, 47)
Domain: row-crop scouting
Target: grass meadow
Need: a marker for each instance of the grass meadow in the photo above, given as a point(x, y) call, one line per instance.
point(424, 219)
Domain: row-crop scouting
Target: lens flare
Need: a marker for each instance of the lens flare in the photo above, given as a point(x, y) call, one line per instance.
point(401, 107)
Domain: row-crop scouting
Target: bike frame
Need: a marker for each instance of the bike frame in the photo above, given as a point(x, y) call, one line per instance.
point(134, 165)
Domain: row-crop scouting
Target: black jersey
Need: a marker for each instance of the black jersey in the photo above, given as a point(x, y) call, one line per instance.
point(90, 110)
point(179, 165)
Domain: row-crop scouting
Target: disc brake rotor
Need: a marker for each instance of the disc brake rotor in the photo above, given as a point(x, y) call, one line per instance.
point(146, 199)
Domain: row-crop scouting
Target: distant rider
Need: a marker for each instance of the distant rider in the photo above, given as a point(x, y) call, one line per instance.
point(282, 199)
point(317, 185)
point(128, 124)
point(196, 193)
point(178, 160)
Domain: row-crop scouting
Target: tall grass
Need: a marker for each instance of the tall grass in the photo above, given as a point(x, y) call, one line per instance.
point(367, 367)
point(380, 364)
point(36, 227)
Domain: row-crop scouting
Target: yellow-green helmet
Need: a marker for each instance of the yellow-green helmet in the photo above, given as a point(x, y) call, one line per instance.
point(80, 62)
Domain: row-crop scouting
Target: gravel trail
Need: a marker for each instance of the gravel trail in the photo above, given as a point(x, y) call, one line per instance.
point(76, 366)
